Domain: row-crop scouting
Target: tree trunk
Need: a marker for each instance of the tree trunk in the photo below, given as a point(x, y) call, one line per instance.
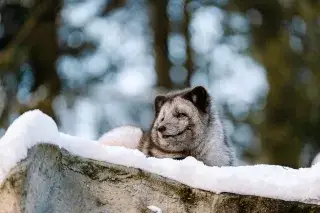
point(160, 25)
point(189, 61)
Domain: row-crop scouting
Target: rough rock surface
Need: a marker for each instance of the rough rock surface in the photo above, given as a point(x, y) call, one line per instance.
point(52, 180)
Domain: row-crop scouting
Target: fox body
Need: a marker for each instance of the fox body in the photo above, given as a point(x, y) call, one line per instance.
point(186, 124)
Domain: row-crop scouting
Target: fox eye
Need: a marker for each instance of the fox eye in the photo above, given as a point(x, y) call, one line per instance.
point(180, 115)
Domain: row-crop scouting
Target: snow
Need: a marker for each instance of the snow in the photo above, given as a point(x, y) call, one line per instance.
point(278, 182)
point(316, 159)
point(155, 209)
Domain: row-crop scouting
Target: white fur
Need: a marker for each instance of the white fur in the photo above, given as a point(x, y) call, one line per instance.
point(126, 136)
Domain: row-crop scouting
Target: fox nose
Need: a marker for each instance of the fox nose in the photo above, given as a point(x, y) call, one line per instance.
point(161, 128)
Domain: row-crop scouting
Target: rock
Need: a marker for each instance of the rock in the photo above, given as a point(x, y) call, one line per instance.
point(52, 180)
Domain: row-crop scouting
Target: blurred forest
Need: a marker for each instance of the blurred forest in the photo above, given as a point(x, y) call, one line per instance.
point(96, 64)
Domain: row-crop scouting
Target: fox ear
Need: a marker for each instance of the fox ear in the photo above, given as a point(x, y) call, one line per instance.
point(158, 102)
point(199, 97)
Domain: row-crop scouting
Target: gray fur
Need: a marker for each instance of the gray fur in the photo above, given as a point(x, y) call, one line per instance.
point(187, 124)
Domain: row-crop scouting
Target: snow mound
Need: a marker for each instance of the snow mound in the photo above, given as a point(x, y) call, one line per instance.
point(277, 182)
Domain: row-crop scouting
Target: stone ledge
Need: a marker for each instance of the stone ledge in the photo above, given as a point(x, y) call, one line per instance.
point(52, 180)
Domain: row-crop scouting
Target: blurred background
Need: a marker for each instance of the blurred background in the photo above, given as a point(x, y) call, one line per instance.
point(96, 64)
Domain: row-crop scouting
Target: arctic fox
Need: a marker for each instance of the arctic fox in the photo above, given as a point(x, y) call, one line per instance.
point(186, 124)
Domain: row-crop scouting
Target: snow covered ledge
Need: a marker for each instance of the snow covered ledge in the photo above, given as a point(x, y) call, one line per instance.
point(70, 174)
